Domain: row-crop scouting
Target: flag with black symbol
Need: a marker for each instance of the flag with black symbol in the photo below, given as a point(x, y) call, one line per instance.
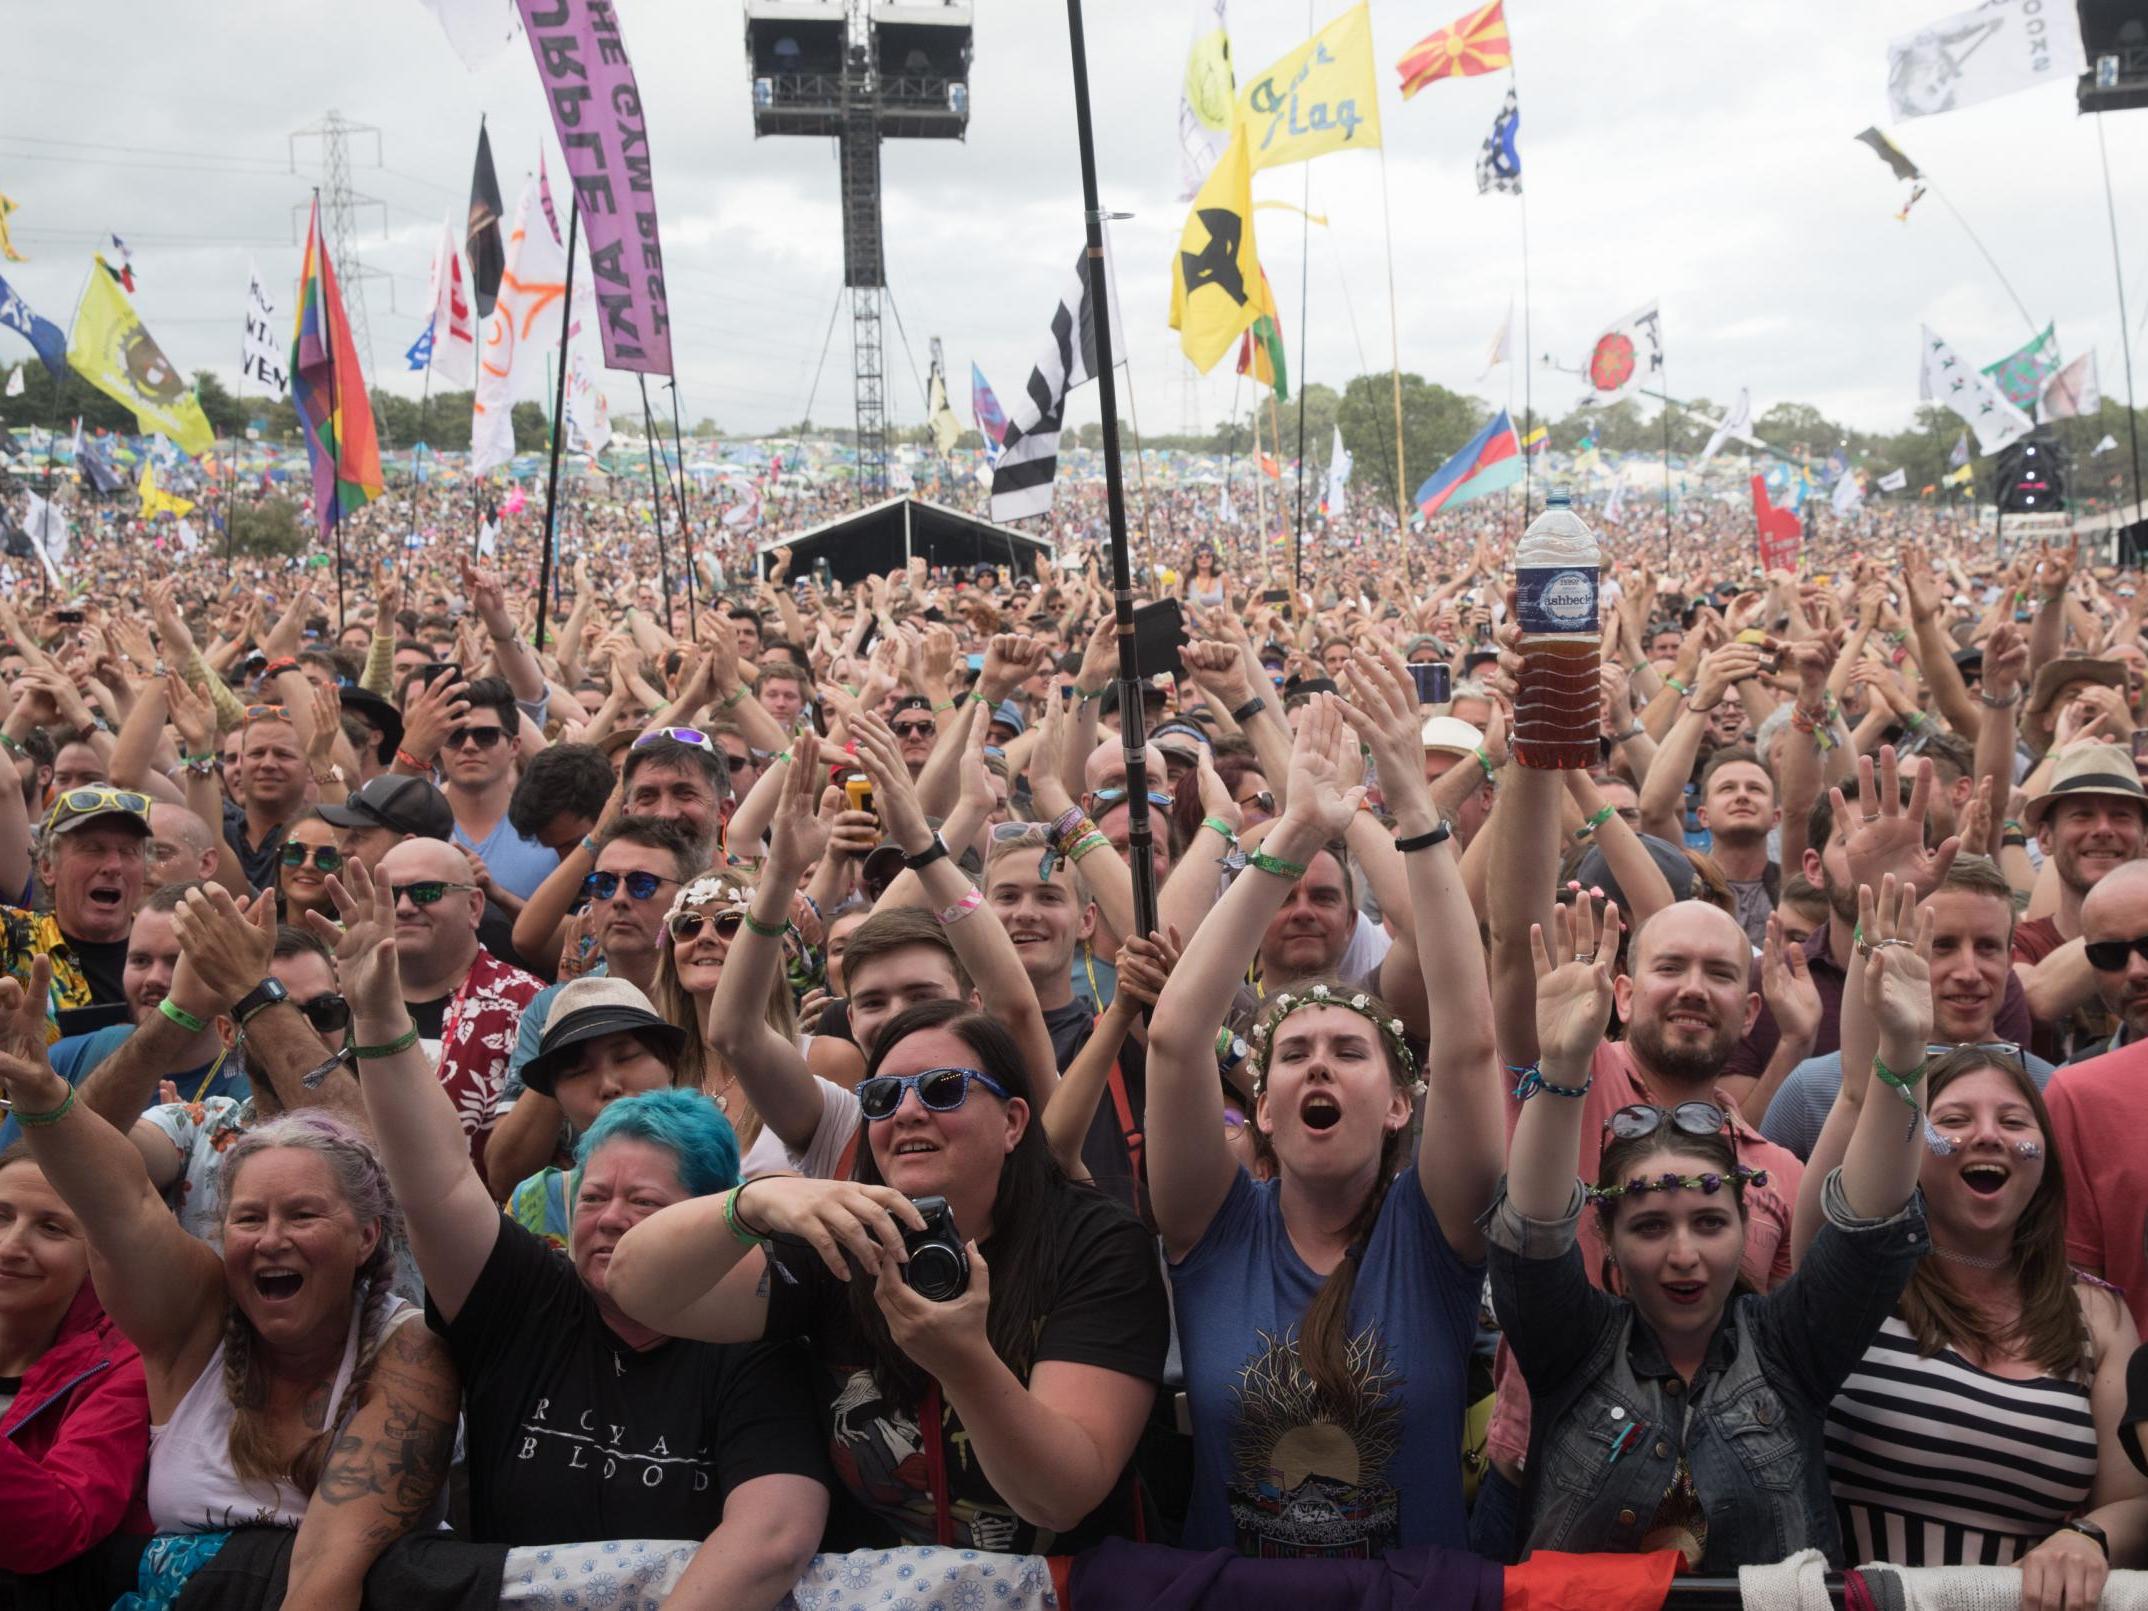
point(1499, 162)
point(1022, 479)
point(1980, 404)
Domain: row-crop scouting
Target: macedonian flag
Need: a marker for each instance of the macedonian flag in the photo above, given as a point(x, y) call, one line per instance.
point(1464, 48)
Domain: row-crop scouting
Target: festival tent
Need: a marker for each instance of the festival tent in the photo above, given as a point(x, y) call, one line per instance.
point(886, 536)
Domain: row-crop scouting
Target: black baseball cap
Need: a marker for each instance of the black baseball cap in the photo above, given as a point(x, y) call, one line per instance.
point(396, 802)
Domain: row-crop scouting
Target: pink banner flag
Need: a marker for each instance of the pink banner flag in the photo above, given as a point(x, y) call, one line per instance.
point(596, 111)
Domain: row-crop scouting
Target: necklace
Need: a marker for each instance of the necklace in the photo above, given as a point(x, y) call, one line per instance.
point(1971, 1260)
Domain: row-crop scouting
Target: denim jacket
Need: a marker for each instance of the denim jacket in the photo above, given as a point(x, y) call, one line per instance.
point(1612, 1418)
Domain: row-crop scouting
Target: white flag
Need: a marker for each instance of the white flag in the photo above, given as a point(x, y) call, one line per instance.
point(1945, 378)
point(454, 321)
point(1849, 493)
point(1206, 96)
point(488, 536)
point(2071, 392)
point(2103, 446)
point(1892, 481)
point(589, 415)
point(189, 539)
point(2001, 47)
point(1338, 497)
point(1615, 505)
point(1624, 357)
point(478, 29)
point(522, 327)
point(1737, 423)
point(264, 359)
point(1498, 354)
point(1225, 511)
point(15, 382)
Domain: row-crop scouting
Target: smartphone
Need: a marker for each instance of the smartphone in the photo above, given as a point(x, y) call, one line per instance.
point(1159, 635)
point(2140, 746)
point(859, 788)
point(1435, 682)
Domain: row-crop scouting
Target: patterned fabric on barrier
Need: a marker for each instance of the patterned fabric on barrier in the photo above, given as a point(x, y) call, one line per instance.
point(636, 1574)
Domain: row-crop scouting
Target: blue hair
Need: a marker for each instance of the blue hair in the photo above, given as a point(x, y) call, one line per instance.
point(685, 1124)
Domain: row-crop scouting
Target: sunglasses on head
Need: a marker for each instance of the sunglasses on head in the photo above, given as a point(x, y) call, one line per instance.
point(2109, 956)
point(686, 925)
point(691, 736)
point(639, 886)
point(941, 1090)
point(325, 857)
point(99, 797)
point(267, 713)
point(426, 891)
point(1016, 833)
point(483, 737)
point(1688, 1118)
point(330, 1013)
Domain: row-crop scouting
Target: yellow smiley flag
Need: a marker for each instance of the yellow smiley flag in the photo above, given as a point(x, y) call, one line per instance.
point(1324, 96)
point(1216, 284)
point(110, 349)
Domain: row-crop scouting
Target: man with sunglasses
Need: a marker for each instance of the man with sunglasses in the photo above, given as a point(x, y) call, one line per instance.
point(476, 756)
point(2114, 936)
point(93, 859)
point(465, 1001)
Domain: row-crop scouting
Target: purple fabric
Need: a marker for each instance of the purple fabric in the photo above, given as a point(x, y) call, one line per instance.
point(1415, 1578)
point(596, 111)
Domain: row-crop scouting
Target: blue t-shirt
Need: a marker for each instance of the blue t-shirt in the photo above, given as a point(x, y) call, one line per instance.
point(517, 864)
point(1797, 1113)
point(75, 1058)
point(1270, 1475)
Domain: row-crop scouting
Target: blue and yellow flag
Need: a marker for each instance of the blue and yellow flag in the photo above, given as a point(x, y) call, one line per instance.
point(1322, 97)
point(109, 348)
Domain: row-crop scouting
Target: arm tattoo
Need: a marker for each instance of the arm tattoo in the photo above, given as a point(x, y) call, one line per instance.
point(399, 1467)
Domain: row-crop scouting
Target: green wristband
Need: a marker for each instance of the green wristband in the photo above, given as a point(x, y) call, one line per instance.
point(1597, 820)
point(1230, 834)
point(49, 1116)
point(180, 1016)
point(401, 1043)
point(772, 931)
point(1261, 861)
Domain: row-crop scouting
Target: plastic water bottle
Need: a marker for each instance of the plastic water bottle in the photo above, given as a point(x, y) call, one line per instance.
point(1556, 705)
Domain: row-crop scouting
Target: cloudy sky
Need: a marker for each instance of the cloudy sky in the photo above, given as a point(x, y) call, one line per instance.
point(1682, 150)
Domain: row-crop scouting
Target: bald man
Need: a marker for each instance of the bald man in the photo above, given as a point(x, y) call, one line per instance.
point(465, 1001)
point(182, 848)
point(2115, 912)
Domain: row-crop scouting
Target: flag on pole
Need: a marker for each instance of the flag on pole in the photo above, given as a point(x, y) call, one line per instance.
point(1488, 462)
point(523, 325)
point(1624, 356)
point(110, 349)
point(1614, 509)
point(1467, 46)
point(1260, 349)
point(1944, 378)
point(1959, 477)
point(124, 274)
point(328, 390)
point(2072, 392)
point(2001, 47)
point(939, 413)
point(2021, 375)
point(1849, 493)
point(1737, 423)
point(1893, 481)
point(16, 385)
point(42, 334)
point(1533, 443)
point(7, 246)
point(261, 359)
point(1500, 339)
point(1960, 456)
point(481, 235)
point(1029, 457)
point(1322, 97)
point(1205, 97)
point(2103, 446)
point(47, 528)
point(156, 501)
point(449, 340)
point(1216, 284)
point(1336, 501)
point(984, 407)
point(1499, 162)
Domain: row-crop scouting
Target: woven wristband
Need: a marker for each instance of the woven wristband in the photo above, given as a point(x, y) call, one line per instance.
point(402, 1043)
point(1261, 861)
point(771, 931)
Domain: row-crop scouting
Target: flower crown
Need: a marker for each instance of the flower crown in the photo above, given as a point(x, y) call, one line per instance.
point(1321, 995)
point(711, 889)
point(1707, 1184)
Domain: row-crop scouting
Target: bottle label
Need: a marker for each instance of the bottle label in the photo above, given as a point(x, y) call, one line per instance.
point(1556, 598)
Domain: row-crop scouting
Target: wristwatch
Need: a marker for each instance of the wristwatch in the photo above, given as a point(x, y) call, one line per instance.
point(2089, 1530)
point(926, 857)
point(259, 999)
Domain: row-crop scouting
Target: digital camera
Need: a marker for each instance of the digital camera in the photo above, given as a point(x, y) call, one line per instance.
point(939, 1266)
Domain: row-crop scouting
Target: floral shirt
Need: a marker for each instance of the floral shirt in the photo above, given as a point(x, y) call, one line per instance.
point(24, 935)
point(477, 1041)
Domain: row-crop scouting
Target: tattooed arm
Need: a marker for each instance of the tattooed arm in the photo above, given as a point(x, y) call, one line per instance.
point(388, 1465)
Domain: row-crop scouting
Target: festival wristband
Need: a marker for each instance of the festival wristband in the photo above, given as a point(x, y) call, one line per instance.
point(768, 931)
point(49, 1116)
point(1596, 820)
point(1291, 871)
point(1230, 834)
point(1491, 773)
point(1438, 834)
point(180, 1016)
point(1533, 1081)
point(402, 1043)
point(744, 1232)
point(949, 916)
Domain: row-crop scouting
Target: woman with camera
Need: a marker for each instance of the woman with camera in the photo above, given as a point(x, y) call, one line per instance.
point(987, 1336)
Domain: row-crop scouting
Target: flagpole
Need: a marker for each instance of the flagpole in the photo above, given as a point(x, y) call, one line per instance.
point(1663, 371)
point(2125, 337)
point(335, 466)
point(656, 497)
point(1275, 431)
point(686, 525)
point(1133, 738)
point(1305, 261)
point(1394, 342)
point(1260, 489)
point(559, 425)
point(1133, 408)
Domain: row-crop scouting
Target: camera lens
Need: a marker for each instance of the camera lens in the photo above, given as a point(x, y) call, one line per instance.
point(937, 1272)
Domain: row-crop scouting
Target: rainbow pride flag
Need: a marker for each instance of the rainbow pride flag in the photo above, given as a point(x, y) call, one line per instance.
point(328, 390)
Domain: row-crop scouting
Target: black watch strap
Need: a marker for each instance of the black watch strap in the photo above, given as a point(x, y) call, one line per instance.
point(1427, 839)
point(926, 857)
point(1250, 709)
point(263, 996)
point(2089, 1530)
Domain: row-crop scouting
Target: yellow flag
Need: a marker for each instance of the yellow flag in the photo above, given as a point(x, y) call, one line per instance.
point(7, 247)
point(1321, 97)
point(1216, 282)
point(109, 348)
point(156, 501)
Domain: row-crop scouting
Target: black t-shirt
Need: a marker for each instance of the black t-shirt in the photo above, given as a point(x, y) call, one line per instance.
point(429, 1016)
point(104, 965)
point(1107, 1150)
point(1102, 1304)
point(575, 1436)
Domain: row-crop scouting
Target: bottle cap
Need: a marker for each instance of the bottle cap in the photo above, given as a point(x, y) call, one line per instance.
point(1559, 500)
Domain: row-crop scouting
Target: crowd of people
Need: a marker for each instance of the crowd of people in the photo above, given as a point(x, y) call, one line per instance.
point(492, 1114)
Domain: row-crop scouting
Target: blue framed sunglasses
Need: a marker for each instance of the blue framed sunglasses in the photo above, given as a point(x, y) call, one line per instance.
point(639, 886)
point(942, 1090)
point(1105, 799)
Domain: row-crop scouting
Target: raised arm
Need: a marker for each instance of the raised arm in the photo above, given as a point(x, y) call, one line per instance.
point(1572, 968)
point(1111, 881)
point(1144, 964)
point(452, 1220)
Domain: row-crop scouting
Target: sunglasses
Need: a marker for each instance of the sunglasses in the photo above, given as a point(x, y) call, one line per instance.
point(1688, 1118)
point(483, 737)
point(1016, 833)
point(1259, 800)
point(267, 713)
point(2109, 956)
point(98, 797)
point(1996, 1048)
point(942, 1090)
point(691, 736)
point(639, 886)
point(1104, 799)
point(326, 857)
point(688, 924)
point(330, 1013)
point(914, 729)
point(426, 891)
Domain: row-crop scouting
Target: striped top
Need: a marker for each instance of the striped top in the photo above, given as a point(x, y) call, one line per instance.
point(1934, 1462)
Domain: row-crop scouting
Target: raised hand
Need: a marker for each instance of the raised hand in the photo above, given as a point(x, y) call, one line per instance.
point(1894, 950)
point(430, 712)
point(1145, 963)
point(1325, 769)
point(364, 943)
point(1786, 985)
point(1573, 985)
point(224, 948)
point(1881, 835)
point(1383, 708)
point(894, 793)
point(26, 1077)
point(1216, 798)
point(799, 834)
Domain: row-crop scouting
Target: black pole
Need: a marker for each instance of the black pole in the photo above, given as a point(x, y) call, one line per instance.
point(2125, 336)
point(1139, 842)
point(656, 496)
point(686, 526)
point(559, 428)
point(44, 554)
point(1305, 258)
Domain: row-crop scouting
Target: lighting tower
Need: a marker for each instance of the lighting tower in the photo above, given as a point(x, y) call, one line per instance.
point(861, 71)
point(339, 220)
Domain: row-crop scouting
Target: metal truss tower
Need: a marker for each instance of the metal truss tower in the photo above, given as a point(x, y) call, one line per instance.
point(339, 217)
